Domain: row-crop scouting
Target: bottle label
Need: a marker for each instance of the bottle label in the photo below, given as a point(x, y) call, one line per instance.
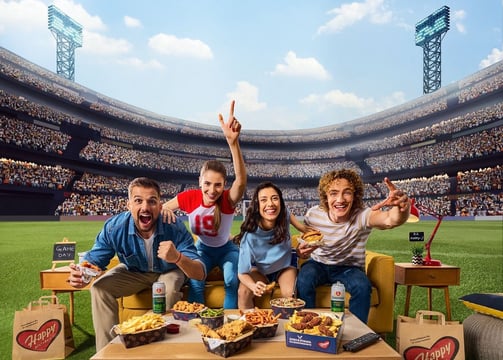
point(337, 305)
point(159, 304)
point(338, 298)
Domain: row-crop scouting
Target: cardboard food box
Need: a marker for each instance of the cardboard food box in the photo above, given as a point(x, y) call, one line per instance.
point(226, 348)
point(143, 337)
point(265, 331)
point(327, 344)
point(184, 315)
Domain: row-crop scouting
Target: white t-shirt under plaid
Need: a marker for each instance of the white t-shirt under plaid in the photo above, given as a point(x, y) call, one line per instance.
point(344, 243)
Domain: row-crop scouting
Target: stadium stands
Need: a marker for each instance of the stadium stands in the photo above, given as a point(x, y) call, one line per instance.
point(67, 150)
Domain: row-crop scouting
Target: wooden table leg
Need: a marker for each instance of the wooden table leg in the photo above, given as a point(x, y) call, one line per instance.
point(407, 301)
point(71, 310)
point(447, 303)
point(72, 320)
point(430, 307)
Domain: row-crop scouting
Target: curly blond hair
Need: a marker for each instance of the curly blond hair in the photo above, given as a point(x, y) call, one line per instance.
point(348, 174)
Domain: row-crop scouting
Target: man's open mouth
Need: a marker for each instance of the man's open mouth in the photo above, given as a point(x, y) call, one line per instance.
point(145, 219)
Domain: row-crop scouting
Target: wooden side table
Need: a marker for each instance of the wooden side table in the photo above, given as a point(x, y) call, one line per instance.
point(55, 280)
point(431, 277)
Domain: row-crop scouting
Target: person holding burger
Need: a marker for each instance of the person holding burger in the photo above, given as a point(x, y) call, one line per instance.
point(345, 224)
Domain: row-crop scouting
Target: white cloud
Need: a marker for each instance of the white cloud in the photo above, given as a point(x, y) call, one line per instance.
point(140, 64)
point(348, 14)
point(24, 15)
point(96, 43)
point(338, 98)
point(495, 56)
point(251, 113)
point(246, 95)
point(132, 22)
point(171, 45)
point(301, 67)
point(457, 17)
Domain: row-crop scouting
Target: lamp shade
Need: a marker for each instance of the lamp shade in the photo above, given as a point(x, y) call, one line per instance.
point(414, 212)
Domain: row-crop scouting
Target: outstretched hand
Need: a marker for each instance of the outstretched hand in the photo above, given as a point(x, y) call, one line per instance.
point(395, 197)
point(232, 127)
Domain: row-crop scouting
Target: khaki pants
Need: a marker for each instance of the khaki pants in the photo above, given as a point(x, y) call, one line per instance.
point(119, 282)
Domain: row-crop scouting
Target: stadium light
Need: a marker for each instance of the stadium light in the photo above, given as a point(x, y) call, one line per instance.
point(428, 35)
point(68, 34)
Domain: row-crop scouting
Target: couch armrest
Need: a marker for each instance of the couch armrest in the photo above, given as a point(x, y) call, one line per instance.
point(380, 269)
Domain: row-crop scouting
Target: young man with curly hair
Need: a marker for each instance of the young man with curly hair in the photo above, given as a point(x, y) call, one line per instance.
point(346, 224)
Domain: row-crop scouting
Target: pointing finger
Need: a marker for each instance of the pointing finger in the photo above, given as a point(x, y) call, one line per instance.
point(231, 113)
point(389, 184)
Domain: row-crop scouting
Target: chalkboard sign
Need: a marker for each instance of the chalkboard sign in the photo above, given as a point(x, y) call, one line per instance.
point(416, 236)
point(63, 251)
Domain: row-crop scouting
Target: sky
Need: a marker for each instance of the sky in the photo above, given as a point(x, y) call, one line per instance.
point(289, 64)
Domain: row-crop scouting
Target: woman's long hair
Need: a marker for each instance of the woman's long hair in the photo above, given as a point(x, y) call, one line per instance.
point(218, 167)
point(253, 217)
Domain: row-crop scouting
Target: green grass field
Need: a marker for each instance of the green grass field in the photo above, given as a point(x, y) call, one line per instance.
point(26, 248)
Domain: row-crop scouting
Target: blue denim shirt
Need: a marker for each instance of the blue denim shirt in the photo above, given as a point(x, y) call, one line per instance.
point(118, 236)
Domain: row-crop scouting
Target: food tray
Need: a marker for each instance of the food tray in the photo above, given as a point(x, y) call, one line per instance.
point(286, 306)
point(143, 337)
point(228, 348)
point(184, 316)
point(265, 331)
point(314, 342)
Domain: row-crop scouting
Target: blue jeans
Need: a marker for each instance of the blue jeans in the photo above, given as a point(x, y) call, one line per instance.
point(313, 274)
point(226, 258)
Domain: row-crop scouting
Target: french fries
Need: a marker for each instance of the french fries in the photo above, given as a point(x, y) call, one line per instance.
point(140, 323)
point(260, 317)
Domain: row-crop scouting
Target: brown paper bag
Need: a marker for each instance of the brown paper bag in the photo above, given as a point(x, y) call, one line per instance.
point(421, 339)
point(42, 331)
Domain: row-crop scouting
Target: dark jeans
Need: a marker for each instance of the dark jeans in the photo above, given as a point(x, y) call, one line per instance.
point(313, 274)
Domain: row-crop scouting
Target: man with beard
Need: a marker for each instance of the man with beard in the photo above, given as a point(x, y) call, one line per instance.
point(148, 249)
point(346, 224)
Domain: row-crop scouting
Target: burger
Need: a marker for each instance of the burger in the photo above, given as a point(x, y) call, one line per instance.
point(313, 238)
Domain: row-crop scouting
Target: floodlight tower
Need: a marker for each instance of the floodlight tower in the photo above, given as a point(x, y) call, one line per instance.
point(429, 34)
point(68, 34)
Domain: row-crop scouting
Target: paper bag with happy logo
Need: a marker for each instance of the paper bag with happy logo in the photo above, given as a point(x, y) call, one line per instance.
point(421, 339)
point(42, 331)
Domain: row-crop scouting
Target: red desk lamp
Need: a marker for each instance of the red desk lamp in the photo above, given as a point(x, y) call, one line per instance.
point(414, 217)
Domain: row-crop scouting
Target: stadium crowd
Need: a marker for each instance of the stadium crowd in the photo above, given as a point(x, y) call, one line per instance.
point(479, 191)
point(485, 81)
point(474, 132)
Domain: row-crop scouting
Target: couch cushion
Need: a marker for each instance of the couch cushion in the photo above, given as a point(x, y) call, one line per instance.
point(141, 300)
point(489, 304)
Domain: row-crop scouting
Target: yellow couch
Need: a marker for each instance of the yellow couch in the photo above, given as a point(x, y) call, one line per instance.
point(379, 268)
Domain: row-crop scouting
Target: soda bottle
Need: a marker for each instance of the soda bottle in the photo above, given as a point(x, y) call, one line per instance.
point(159, 297)
point(338, 297)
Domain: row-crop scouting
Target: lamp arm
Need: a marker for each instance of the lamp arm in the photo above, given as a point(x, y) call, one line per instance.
point(428, 244)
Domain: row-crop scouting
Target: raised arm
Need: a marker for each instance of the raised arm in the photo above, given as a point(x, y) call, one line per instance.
point(231, 130)
point(397, 215)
